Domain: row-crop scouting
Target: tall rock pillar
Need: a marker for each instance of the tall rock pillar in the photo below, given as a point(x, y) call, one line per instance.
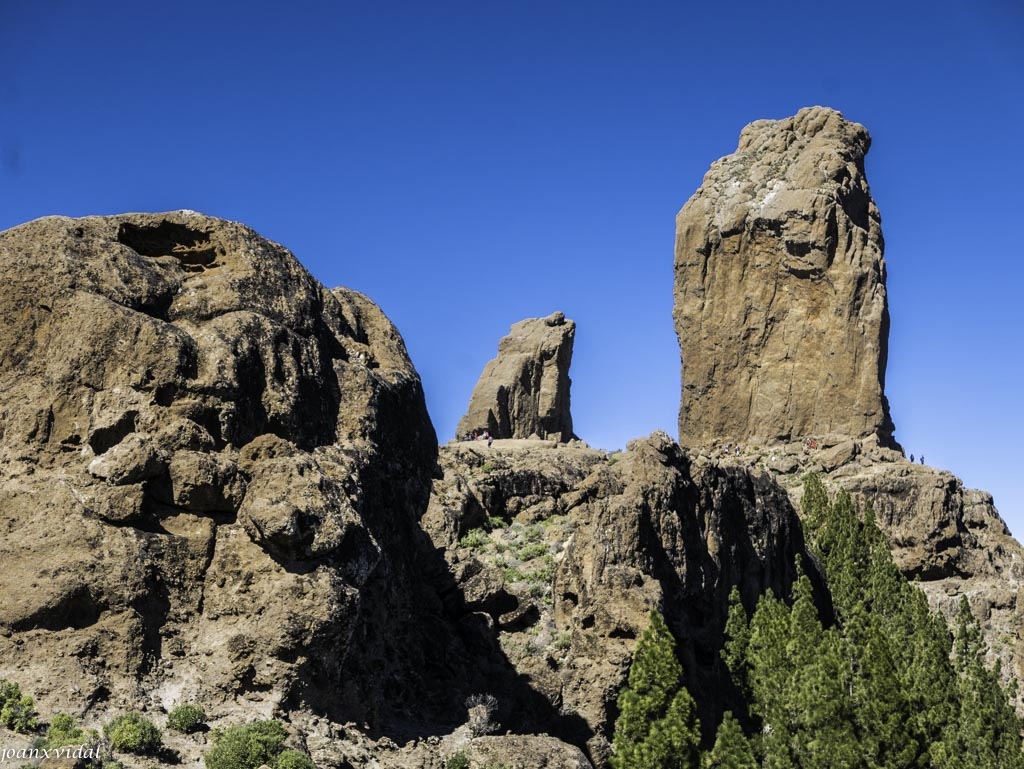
point(525, 390)
point(780, 301)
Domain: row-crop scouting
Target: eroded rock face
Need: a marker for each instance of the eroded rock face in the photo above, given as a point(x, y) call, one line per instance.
point(580, 546)
point(524, 391)
point(780, 301)
point(211, 468)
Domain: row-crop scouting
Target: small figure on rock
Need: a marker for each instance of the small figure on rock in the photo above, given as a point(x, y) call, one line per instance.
point(488, 438)
point(922, 459)
point(911, 459)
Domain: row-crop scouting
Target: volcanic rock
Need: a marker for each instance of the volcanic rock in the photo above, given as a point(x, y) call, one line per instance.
point(524, 391)
point(780, 301)
point(624, 533)
point(211, 469)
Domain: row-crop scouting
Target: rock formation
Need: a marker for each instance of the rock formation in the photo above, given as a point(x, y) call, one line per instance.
point(211, 468)
point(621, 534)
point(219, 483)
point(524, 391)
point(780, 302)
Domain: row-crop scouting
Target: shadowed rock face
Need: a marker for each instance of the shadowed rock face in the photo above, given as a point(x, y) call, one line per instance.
point(647, 528)
point(195, 503)
point(525, 390)
point(780, 302)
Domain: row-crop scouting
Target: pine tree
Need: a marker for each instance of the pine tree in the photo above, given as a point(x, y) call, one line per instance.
point(814, 504)
point(883, 688)
point(987, 730)
point(731, 750)
point(657, 726)
point(737, 634)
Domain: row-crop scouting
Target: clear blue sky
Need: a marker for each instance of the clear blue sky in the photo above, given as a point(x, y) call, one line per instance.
point(469, 164)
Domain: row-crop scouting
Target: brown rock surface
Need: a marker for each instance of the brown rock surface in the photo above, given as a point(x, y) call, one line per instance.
point(524, 391)
point(589, 543)
point(780, 301)
point(211, 469)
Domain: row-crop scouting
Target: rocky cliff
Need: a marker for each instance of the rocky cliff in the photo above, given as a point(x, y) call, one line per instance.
point(237, 470)
point(560, 553)
point(524, 391)
point(211, 469)
point(780, 302)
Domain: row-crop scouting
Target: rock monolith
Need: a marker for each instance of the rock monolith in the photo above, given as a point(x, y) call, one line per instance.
point(780, 299)
point(524, 391)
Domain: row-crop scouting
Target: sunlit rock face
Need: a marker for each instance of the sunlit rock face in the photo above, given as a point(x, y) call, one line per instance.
point(524, 391)
point(211, 468)
point(780, 301)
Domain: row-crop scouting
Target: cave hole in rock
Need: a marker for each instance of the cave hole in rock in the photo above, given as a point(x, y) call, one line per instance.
point(193, 248)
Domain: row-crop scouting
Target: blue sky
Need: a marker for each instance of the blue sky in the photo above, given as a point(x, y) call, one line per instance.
point(469, 164)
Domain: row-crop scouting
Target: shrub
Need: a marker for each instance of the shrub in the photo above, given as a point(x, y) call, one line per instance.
point(16, 709)
point(246, 746)
point(474, 538)
point(457, 761)
point(186, 718)
point(512, 574)
point(132, 733)
point(62, 731)
point(532, 550)
point(534, 534)
point(293, 759)
point(481, 709)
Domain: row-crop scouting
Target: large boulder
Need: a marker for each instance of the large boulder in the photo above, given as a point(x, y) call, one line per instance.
point(780, 301)
point(211, 472)
point(524, 391)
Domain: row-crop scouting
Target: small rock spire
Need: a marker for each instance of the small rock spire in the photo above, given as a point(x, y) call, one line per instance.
point(524, 391)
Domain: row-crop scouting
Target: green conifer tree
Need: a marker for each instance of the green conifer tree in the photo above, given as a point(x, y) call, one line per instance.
point(987, 729)
point(737, 635)
point(731, 750)
point(657, 726)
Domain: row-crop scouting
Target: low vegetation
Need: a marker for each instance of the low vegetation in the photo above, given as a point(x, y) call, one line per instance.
point(186, 718)
point(249, 746)
point(17, 710)
point(132, 732)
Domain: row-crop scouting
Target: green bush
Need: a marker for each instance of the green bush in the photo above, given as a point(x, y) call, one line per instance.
point(293, 759)
point(63, 731)
point(457, 761)
point(246, 746)
point(186, 718)
point(132, 733)
point(562, 641)
point(474, 538)
point(16, 709)
point(532, 550)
